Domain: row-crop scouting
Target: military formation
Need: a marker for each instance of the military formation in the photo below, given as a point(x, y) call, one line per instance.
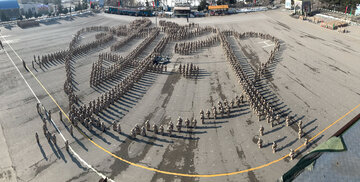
point(187, 48)
point(87, 113)
point(258, 104)
point(177, 32)
point(189, 70)
point(99, 74)
point(74, 49)
point(133, 31)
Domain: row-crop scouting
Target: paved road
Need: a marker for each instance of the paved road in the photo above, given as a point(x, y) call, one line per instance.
point(315, 79)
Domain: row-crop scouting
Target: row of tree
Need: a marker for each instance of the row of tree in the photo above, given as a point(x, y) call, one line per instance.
point(60, 10)
point(340, 5)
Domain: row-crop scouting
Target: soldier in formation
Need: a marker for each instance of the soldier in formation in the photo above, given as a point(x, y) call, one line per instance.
point(260, 142)
point(187, 48)
point(261, 130)
point(189, 70)
point(274, 146)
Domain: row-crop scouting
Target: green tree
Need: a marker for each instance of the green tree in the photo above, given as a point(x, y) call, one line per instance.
point(232, 1)
point(202, 5)
point(85, 4)
point(29, 14)
point(60, 8)
point(3, 17)
point(65, 10)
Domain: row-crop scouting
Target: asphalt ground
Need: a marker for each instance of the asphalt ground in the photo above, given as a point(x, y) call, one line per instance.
point(315, 79)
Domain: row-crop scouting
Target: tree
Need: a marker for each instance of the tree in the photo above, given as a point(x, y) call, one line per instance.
point(29, 14)
point(340, 5)
point(232, 1)
point(4, 17)
point(85, 4)
point(60, 8)
point(202, 5)
point(65, 11)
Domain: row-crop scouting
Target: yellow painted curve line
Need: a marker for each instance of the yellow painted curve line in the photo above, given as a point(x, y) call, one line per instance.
point(183, 174)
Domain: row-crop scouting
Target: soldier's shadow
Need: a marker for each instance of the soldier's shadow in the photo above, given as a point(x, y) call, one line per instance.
point(42, 151)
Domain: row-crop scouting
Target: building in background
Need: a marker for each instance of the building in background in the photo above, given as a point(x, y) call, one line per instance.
point(302, 7)
point(357, 11)
point(36, 8)
point(9, 10)
point(182, 10)
point(288, 4)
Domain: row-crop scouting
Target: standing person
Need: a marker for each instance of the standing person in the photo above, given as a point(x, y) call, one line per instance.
point(37, 137)
point(274, 146)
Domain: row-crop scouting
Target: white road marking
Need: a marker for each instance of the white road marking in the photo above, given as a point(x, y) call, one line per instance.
point(268, 45)
point(57, 129)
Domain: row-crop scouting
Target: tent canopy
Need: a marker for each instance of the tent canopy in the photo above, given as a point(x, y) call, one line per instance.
point(9, 4)
point(218, 7)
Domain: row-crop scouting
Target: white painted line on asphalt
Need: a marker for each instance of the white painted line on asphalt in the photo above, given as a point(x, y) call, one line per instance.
point(264, 42)
point(268, 45)
point(12, 61)
point(57, 129)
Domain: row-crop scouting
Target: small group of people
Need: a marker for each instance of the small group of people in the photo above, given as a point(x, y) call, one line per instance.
point(221, 109)
point(189, 70)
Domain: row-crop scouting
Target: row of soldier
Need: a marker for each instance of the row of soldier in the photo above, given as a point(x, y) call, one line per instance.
point(103, 102)
point(222, 109)
point(177, 32)
point(137, 130)
point(77, 35)
point(74, 51)
point(187, 48)
point(122, 87)
point(108, 98)
point(100, 74)
point(186, 33)
point(256, 100)
point(263, 66)
point(50, 58)
point(136, 27)
point(121, 30)
point(189, 70)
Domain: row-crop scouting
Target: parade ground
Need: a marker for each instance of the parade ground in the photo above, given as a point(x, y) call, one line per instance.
point(314, 78)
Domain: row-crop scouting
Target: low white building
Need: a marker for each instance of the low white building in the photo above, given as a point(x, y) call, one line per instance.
point(34, 7)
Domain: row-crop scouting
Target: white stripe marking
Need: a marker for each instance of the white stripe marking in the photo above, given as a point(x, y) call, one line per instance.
point(57, 129)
